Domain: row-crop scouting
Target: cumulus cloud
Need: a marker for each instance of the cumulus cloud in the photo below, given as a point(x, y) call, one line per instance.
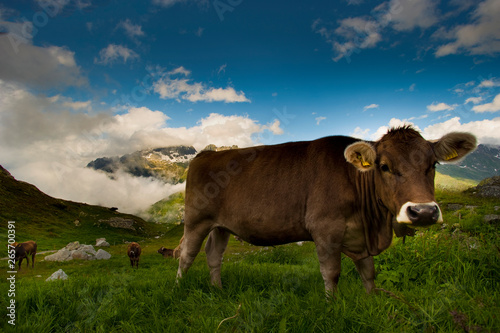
point(177, 85)
point(360, 133)
point(489, 83)
point(494, 106)
point(113, 53)
point(481, 36)
point(485, 130)
point(48, 141)
point(436, 107)
point(43, 67)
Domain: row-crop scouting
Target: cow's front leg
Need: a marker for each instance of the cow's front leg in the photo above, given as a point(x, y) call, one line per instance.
point(366, 268)
point(329, 256)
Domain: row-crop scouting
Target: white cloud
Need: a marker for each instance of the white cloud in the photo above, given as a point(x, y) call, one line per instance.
point(494, 106)
point(485, 130)
point(360, 133)
point(167, 3)
point(77, 105)
point(394, 122)
point(406, 15)
point(435, 107)
point(199, 31)
point(490, 83)
point(182, 88)
point(180, 70)
point(274, 128)
point(474, 100)
point(132, 30)
point(412, 87)
point(48, 141)
point(319, 120)
point(371, 106)
point(222, 69)
point(381, 131)
point(356, 33)
point(113, 53)
point(44, 67)
point(481, 36)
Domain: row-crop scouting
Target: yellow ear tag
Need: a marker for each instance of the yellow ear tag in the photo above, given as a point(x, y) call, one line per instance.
point(363, 162)
point(452, 155)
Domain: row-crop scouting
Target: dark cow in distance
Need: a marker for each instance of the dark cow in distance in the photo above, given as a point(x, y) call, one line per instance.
point(134, 252)
point(166, 253)
point(23, 250)
point(339, 192)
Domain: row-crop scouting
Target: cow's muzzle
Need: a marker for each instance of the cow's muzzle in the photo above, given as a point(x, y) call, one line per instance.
point(420, 214)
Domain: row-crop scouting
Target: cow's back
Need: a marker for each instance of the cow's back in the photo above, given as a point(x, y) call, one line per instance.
point(265, 194)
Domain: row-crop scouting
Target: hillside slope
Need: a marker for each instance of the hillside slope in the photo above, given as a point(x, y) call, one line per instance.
point(52, 222)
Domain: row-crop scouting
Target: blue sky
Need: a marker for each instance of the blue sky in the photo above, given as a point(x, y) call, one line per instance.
point(81, 79)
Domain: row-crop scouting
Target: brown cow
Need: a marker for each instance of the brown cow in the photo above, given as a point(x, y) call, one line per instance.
point(23, 250)
point(340, 192)
point(134, 252)
point(166, 253)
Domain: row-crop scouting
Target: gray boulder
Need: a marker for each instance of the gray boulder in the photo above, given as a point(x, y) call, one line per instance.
point(58, 275)
point(489, 188)
point(102, 255)
point(62, 255)
point(73, 246)
point(101, 242)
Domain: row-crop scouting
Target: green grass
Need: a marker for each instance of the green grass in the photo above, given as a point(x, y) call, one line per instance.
point(443, 280)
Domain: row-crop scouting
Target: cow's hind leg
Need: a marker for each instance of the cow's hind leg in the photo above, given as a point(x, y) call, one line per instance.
point(191, 245)
point(215, 247)
point(366, 269)
point(33, 260)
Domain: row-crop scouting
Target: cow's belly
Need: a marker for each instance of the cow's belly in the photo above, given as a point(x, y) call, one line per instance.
point(266, 233)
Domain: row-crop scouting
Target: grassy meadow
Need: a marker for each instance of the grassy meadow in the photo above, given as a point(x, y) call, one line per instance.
point(446, 279)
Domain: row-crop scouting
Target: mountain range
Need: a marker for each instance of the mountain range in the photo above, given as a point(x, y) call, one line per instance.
point(170, 164)
point(484, 162)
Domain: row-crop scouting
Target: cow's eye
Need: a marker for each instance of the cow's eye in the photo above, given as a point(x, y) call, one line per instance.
point(385, 168)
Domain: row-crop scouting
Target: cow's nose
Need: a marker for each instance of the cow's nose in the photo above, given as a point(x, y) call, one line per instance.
point(423, 214)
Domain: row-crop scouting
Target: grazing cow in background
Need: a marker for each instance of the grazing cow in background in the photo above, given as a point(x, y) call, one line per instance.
point(339, 192)
point(134, 252)
point(166, 253)
point(177, 250)
point(23, 250)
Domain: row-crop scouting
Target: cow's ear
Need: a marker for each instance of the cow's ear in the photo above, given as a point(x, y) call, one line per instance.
point(361, 154)
point(454, 146)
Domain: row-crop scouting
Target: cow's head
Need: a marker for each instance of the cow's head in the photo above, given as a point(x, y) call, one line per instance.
point(403, 164)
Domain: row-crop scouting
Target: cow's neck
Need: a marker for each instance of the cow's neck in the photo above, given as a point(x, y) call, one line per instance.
point(376, 218)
